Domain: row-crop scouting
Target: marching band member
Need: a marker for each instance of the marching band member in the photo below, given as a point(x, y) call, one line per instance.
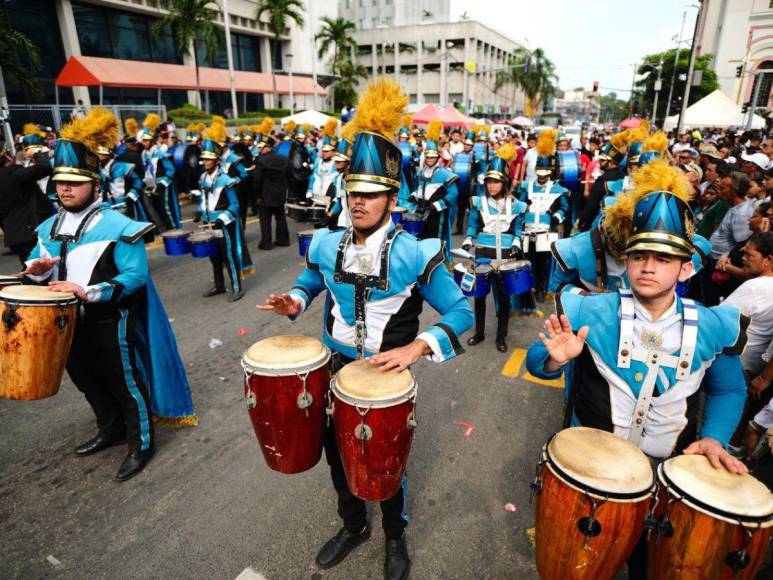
point(120, 186)
point(219, 209)
point(32, 143)
point(376, 278)
point(159, 177)
point(548, 207)
point(463, 201)
point(324, 169)
point(124, 357)
point(132, 149)
point(436, 192)
point(338, 213)
point(612, 163)
point(497, 214)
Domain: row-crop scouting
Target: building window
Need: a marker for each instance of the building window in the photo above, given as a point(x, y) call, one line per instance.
point(765, 87)
point(375, 2)
point(131, 37)
point(348, 4)
point(360, 3)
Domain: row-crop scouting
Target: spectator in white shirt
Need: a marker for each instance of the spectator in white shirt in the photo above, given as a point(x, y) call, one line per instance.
point(734, 227)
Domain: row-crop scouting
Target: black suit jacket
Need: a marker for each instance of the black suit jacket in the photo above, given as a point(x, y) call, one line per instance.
point(23, 206)
point(270, 179)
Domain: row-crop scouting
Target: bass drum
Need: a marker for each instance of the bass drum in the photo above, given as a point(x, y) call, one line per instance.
point(463, 167)
point(283, 148)
point(569, 169)
point(185, 158)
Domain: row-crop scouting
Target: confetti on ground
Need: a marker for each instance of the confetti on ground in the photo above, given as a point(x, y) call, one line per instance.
point(244, 331)
point(222, 379)
point(215, 343)
point(52, 560)
point(532, 533)
point(171, 320)
point(510, 507)
point(468, 428)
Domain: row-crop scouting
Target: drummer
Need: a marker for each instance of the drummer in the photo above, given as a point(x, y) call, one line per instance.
point(377, 278)
point(120, 186)
point(496, 215)
point(338, 214)
point(123, 337)
point(219, 210)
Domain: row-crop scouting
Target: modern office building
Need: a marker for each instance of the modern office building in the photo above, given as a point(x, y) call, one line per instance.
point(367, 14)
point(123, 30)
point(739, 33)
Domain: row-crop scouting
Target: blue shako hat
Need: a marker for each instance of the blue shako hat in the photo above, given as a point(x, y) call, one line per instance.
point(343, 151)
point(73, 161)
point(499, 164)
point(375, 164)
point(662, 222)
point(469, 138)
point(75, 153)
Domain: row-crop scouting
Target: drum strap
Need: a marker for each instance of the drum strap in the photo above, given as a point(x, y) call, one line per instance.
point(64, 240)
point(653, 359)
point(601, 262)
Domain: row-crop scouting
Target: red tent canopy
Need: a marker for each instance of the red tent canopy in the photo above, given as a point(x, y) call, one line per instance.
point(630, 123)
point(452, 117)
point(425, 115)
point(89, 71)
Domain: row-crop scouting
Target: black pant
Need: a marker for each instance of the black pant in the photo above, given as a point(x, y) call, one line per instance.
point(502, 301)
point(103, 365)
point(23, 251)
point(462, 204)
point(282, 233)
point(244, 194)
point(540, 263)
point(227, 257)
point(161, 208)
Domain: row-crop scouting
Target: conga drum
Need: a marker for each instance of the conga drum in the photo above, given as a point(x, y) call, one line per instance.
point(36, 330)
point(373, 416)
point(9, 280)
point(711, 523)
point(593, 492)
point(286, 381)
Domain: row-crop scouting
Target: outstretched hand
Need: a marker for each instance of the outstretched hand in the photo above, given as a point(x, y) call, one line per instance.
point(283, 305)
point(716, 454)
point(563, 345)
point(40, 266)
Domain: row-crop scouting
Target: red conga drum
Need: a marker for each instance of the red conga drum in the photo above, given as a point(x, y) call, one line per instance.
point(286, 381)
point(373, 415)
point(712, 524)
point(593, 493)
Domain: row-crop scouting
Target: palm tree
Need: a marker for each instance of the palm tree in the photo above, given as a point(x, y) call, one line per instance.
point(193, 22)
point(278, 14)
point(18, 72)
point(335, 32)
point(345, 90)
point(540, 80)
point(515, 75)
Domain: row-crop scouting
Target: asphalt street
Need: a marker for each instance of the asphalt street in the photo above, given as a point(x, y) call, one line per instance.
point(207, 507)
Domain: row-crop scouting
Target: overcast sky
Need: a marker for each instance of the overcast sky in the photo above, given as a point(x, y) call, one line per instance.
point(594, 40)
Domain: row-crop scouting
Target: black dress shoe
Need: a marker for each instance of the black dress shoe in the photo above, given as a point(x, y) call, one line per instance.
point(339, 546)
point(213, 292)
point(473, 340)
point(501, 345)
point(236, 296)
point(282, 244)
point(397, 564)
point(540, 296)
point(98, 443)
point(266, 248)
point(134, 463)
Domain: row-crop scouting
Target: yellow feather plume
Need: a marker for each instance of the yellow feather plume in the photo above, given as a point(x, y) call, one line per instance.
point(32, 129)
point(407, 121)
point(255, 129)
point(657, 142)
point(218, 120)
point(151, 121)
point(99, 128)
point(266, 126)
point(639, 133)
point(243, 129)
point(306, 127)
point(380, 109)
point(656, 176)
point(620, 140)
point(330, 127)
point(434, 129)
point(348, 132)
point(216, 132)
point(289, 127)
point(131, 127)
point(190, 128)
point(507, 152)
point(546, 143)
point(200, 127)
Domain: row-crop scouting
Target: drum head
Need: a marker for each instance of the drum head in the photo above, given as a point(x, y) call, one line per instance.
point(201, 237)
point(717, 490)
point(307, 233)
point(362, 381)
point(175, 234)
point(515, 265)
point(35, 295)
point(280, 355)
point(10, 279)
point(601, 462)
point(483, 269)
point(399, 209)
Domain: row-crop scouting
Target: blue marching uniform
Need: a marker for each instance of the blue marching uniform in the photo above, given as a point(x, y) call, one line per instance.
point(121, 188)
point(159, 175)
point(435, 199)
point(219, 207)
point(339, 209)
point(322, 175)
point(616, 380)
point(124, 355)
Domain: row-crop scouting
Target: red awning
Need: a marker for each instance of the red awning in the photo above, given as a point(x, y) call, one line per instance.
point(425, 115)
point(630, 123)
point(452, 117)
point(89, 71)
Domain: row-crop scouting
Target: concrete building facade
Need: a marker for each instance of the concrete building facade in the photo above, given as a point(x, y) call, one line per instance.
point(739, 33)
point(445, 63)
point(367, 14)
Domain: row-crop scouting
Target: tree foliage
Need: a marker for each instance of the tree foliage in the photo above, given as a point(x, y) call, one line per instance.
point(336, 34)
point(533, 72)
point(278, 15)
point(18, 73)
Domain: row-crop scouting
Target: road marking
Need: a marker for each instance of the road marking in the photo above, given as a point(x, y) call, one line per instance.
point(513, 367)
point(250, 574)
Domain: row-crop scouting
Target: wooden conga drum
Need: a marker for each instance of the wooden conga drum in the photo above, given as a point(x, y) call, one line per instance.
point(712, 524)
point(373, 416)
point(286, 381)
point(36, 330)
point(9, 280)
point(593, 492)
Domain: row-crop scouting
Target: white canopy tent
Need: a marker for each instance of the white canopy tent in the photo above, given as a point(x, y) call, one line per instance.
point(714, 110)
point(310, 117)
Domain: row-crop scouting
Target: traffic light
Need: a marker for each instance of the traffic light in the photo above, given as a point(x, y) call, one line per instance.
point(745, 107)
point(527, 64)
point(738, 71)
point(595, 86)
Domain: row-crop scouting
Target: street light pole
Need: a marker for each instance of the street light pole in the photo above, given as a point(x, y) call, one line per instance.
point(289, 58)
point(658, 84)
point(676, 62)
point(690, 69)
point(229, 55)
point(633, 88)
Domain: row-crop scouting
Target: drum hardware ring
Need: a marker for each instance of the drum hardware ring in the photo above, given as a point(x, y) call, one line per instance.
point(664, 527)
point(61, 323)
point(650, 519)
point(536, 485)
point(304, 399)
point(252, 400)
point(589, 526)
point(411, 423)
point(10, 317)
point(362, 431)
point(740, 559)
point(330, 408)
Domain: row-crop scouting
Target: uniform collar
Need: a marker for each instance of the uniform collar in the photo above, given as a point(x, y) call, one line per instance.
point(643, 314)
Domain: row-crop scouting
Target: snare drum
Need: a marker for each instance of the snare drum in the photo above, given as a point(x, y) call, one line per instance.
point(482, 285)
point(593, 492)
point(712, 523)
point(414, 224)
point(9, 280)
point(541, 240)
point(35, 338)
point(304, 241)
point(176, 242)
point(286, 381)
point(397, 215)
point(203, 244)
point(516, 277)
point(373, 416)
